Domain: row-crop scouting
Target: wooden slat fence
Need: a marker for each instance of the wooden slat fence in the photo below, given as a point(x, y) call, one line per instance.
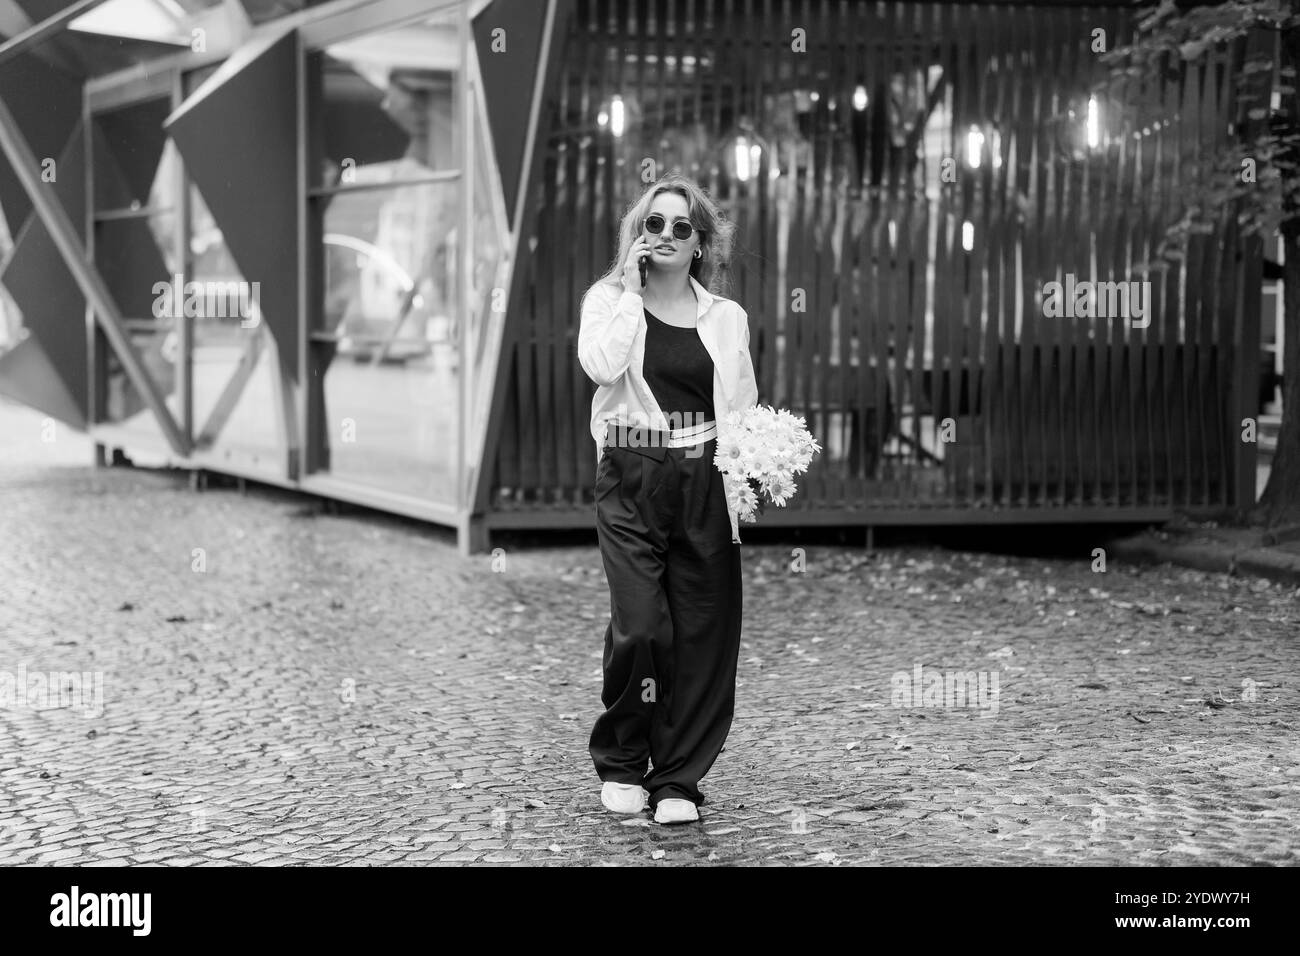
point(925, 172)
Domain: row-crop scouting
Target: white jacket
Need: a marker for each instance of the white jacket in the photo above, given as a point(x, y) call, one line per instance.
point(611, 349)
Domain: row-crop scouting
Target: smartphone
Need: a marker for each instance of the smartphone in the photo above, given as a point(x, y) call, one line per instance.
point(645, 260)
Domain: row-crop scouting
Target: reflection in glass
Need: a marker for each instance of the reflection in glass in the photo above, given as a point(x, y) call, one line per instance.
point(135, 247)
point(232, 355)
point(390, 296)
point(486, 306)
point(11, 319)
point(388, 121)
point(388, 109)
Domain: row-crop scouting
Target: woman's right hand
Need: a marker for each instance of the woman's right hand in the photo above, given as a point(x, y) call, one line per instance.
point(632, 267)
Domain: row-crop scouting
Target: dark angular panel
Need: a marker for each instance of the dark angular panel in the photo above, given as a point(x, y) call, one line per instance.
point(46, 103)
point(54, 310)
point(39, 10)
point(28, 376)
point(237, 136)
point(508, 80)
point(128, 259)
point(262, 11)
point(354, 123)
point(100, 54)
point(128, 147)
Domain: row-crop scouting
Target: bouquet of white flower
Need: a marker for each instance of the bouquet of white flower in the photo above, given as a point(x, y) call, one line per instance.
point(760, 450)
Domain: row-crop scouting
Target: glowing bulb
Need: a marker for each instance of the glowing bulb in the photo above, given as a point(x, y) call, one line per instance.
point(860, 98)
point(968, 236)
point(974, 146)
point(1094, 122)
point(616, 116)
point(743, 155)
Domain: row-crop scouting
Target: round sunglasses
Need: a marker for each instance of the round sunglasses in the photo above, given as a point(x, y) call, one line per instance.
point(654, 224)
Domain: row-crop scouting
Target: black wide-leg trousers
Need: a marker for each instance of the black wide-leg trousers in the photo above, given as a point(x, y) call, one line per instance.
point(674, 632)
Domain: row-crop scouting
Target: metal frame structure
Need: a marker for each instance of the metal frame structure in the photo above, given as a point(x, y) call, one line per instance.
point(192, 444)
point(488, 362)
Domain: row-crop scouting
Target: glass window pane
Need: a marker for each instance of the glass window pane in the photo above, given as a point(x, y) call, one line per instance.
point(391, 390)
point(487, 305)
point(389, 104)
point(11, 318)
point(132, 166)
point(222, 346)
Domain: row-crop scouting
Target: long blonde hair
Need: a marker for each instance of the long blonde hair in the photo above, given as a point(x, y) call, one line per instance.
point(716, 233)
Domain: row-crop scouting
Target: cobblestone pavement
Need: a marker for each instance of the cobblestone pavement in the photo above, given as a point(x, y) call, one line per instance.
point(348, 690)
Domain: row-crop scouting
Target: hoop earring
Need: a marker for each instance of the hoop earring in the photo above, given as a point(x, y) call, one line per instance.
point(699, 253)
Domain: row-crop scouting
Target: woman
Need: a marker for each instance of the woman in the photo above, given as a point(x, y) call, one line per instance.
point(669, 357)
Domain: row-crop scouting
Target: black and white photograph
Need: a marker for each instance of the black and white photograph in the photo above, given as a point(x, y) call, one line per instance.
point(651, 433)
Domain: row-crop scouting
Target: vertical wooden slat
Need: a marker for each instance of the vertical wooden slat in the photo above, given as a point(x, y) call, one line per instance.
point(1212, 282)
point(1070, 228)
point(822, 330)
point(1200, 267)
point(971, 376)
point(772, 55)
point(691, 29)
point(939, 253)
point(929, 23)
point(1039, 265)
point(862, 288)
point(1175, 353)
point(1004, 418)
point(1090, 443)
point(715, 29)
point(1113, 249)
point(820, 319)
point(579, 474)
point(889, 350)
point(1145, 181)
point(1004, 234)
point(1101, 389)
point(800, 235)
point(1191, 266)
point(1062, 236)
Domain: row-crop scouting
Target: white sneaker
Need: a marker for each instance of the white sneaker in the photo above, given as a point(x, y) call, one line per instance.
point(623, 797)
point(673, 810)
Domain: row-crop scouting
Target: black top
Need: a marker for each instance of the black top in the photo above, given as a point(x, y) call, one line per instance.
point(679, 371)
